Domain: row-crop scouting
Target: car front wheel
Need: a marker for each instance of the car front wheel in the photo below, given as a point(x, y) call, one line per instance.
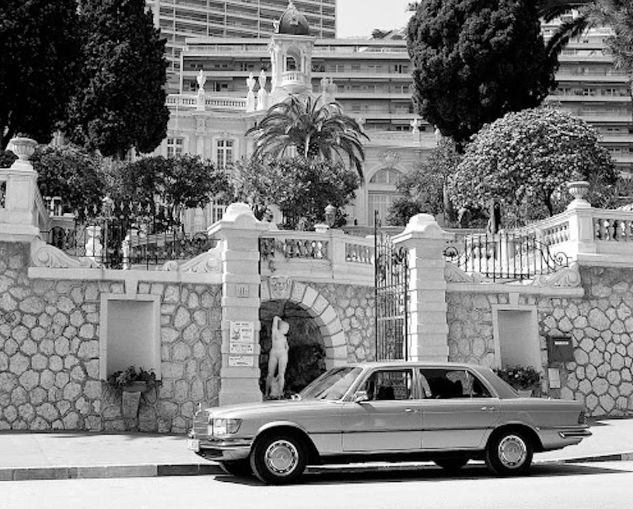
point(278, 459)
point(509, 453)
point(238, 468)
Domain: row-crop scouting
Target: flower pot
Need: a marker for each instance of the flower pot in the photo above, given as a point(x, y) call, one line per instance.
point(130, 402)
point(138, 386)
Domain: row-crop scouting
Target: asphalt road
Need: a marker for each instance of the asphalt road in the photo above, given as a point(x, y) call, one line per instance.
point(581, 486)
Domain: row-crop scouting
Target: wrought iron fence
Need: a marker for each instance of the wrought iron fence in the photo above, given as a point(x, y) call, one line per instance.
point(392, 299)
point(513, 256)
point(127, 235)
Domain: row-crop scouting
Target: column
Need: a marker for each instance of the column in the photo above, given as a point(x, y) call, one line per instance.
point(426, 241)
point(238, 233)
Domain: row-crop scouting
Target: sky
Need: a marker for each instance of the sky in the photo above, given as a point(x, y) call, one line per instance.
point(358, 18)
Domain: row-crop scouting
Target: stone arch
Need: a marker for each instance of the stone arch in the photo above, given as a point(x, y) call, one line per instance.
point(317, 307)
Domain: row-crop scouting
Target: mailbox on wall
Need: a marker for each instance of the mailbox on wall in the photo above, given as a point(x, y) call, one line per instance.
point(560, 349)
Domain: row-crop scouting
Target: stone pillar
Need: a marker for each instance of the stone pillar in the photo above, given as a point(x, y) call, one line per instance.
point(426, 241)
point(581, 227)
point(238, 233)
point(18, 221)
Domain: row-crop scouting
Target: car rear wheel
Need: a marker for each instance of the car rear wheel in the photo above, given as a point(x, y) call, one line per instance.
point(238, 468)
point(278, 458)
point(451, 464)
point(509, 453)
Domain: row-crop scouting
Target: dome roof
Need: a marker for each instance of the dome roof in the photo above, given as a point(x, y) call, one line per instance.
point(292, 22)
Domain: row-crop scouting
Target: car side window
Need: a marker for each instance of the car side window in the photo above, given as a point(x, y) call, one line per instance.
point(389, 385)
point(441, 383)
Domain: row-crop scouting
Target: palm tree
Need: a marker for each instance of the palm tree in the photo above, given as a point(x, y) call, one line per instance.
point(312, 130)
point(617, 14)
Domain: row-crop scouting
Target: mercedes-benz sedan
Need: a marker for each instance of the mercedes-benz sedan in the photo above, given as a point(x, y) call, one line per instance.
point(389, 411)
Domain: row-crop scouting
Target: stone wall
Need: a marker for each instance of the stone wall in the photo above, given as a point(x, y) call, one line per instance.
point(600, 324)
point(49, 352)
point(355, 308)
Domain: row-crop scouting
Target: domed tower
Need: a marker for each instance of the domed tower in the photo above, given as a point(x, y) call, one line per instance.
point(291, 55)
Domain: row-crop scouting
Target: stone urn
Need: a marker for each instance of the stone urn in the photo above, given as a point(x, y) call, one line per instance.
point(22, 147)
point(578, 189)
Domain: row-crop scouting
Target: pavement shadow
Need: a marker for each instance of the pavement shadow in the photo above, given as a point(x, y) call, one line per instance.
point(427, 474)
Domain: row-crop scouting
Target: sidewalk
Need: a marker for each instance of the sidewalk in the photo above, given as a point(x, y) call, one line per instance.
point(68, 455)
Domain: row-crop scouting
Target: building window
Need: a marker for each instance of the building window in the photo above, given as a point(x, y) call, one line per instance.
point(386, 176)
point(380, 203)
point(174, 147)
point(224, 153)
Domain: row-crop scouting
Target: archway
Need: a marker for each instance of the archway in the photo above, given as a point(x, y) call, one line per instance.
point(281, 292)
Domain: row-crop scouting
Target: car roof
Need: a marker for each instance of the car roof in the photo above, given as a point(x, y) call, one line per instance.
point(403, 363)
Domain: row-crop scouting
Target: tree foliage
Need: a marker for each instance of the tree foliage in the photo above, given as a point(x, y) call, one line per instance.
point(38, 51)
point(523, 161)
point(616, 14)
point(300, 188)
point(475, 60)
point(182, 181)
point(120, 103)
point(73, 174)
point(312, 130)
point(422, 190)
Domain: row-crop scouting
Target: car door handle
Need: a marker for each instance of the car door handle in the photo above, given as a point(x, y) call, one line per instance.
point(488, 409)
point(411, 410)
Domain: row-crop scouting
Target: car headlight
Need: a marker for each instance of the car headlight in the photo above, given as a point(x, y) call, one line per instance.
point(225, 426)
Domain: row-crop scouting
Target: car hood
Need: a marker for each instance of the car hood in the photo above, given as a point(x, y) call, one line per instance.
point(270, 407)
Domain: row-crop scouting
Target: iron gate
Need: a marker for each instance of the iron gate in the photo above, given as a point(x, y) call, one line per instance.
point(391, 273)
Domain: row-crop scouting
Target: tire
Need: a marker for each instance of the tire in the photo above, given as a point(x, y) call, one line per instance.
point(278, 459)
point(451, 464)
point(238, 468)
point(509, 453)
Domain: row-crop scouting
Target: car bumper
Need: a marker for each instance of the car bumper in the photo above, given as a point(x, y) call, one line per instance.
point(220, 449)
point(557, 438)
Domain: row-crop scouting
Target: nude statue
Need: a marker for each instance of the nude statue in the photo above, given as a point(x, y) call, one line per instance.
point(277, 358)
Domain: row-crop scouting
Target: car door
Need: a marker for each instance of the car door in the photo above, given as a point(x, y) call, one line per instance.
point(389, 420)
point(458, 411)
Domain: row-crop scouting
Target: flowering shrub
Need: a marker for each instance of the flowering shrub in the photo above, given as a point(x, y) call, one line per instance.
point(120, 379)
point(520, 377)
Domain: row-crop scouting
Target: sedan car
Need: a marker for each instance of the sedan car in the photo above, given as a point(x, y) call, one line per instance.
point(389, 411)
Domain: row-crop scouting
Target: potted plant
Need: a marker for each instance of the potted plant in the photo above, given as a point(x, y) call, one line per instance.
point(524, 379)
point(133, 380)
point(131, 383)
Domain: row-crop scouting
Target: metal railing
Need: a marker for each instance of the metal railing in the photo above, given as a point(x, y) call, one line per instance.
point(126, 236)
point(508, 256)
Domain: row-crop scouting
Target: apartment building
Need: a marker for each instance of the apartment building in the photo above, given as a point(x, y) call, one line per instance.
point(180, 19)
point(371, 79)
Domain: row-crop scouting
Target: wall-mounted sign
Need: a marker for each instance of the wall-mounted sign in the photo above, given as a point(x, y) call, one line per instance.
point(241, 361)
point(242, 291)
point(242, 332)
point(241, 348)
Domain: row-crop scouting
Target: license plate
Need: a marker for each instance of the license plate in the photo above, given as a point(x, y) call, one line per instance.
point(193, 445)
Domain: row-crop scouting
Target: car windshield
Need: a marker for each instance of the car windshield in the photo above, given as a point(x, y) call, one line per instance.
point(332, 384)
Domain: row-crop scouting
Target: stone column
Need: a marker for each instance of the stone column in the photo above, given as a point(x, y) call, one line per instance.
point(18, 221)
point(426, 241)
point(238, 233)
point(581, 225)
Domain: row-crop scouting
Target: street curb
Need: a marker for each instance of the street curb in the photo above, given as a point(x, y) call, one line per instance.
point(167, 470)
point(624, 456)
point(106, 472)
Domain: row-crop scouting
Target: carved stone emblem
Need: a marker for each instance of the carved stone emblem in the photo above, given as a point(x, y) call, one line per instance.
point(279, 287)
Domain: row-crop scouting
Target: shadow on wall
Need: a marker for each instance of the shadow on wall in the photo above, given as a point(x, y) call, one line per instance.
point(306, 356)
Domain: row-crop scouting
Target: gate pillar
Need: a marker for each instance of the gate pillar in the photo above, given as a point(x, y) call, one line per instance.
point(238, 233)
point(425, 242)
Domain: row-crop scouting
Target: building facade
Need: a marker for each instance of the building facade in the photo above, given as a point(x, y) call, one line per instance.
point(181, 19)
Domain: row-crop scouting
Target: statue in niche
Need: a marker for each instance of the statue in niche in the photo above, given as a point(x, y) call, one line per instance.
point(201, 79)
point(277, 359)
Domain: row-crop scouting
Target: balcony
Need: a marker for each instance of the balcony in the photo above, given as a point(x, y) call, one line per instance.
point(295, 81)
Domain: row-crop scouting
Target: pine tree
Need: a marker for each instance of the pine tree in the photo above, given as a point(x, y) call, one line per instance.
point(121, 100)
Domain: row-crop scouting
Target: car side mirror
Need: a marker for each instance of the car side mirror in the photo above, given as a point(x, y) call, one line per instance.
point(361, 396)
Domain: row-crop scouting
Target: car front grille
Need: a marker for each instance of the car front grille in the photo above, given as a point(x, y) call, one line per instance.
point(200, 423)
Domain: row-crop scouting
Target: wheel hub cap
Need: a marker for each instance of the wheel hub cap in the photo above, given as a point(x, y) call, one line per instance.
point(281, 457)
point(512, 451)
